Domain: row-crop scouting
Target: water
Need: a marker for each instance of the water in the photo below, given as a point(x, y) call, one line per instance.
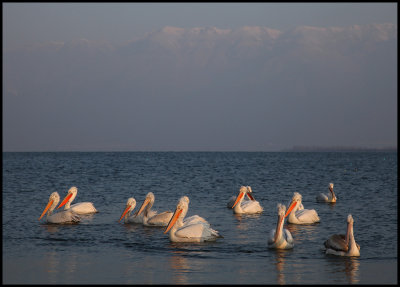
point(100, 250)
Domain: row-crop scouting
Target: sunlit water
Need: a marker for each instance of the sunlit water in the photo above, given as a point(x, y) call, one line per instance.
point(100, 250)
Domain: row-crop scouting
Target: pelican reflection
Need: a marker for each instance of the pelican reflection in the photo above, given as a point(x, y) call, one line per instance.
point(180, 267)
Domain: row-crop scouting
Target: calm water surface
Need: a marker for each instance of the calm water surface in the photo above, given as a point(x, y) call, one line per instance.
point(100, 250)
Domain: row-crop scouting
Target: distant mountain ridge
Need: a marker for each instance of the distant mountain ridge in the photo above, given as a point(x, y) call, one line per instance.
point(206, 76)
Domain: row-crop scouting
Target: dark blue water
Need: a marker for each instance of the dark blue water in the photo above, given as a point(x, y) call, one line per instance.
point(101, 250)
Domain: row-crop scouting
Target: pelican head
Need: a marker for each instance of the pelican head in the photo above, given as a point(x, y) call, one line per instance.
point(296, 201)
point(297, 197)
point(281, 209)
point(331, 185)
point(130, 205)
point(54, 199)
point(242, 191)
point(180, 212)
point(350, 219)
point(69, 197)
point(249, 192)
point(149, 200)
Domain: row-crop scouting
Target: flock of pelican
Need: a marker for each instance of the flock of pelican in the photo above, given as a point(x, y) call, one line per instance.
point(196, 229)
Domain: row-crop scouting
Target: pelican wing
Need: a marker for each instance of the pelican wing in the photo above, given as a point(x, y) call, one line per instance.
point(307, 215)
point(83, 208)
point(63, 217)
point(161, 219)
point(197, 230)
point(251, 206)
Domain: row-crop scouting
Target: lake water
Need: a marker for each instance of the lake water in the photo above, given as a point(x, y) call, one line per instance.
point(100, 250)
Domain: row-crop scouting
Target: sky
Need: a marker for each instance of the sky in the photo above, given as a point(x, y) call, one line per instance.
point(26, 128)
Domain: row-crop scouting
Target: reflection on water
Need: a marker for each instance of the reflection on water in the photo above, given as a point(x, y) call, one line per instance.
point(57, 267)
point(180, 267)
point(351, 269)
point(347, 265)
point(280, 266)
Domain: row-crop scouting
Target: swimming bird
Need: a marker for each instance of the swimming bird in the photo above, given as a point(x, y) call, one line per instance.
point(128, 218)
point(78, 208)
point(343, 245)
point(303, 216)
point(280, 238)
point(232, 200)
point(191, 230)
point(150, 217)
point(62, 217)
point(246, 207)
point(330, 197)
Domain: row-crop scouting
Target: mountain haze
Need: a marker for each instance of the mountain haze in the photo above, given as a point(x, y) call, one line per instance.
point(205, 89)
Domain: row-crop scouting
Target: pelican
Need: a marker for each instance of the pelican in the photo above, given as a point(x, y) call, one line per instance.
point(79, 208)
point(249, 206)
point(343, 245)
point(190, 231)
point(280, 238)
point(62, 217)
point(303, 216)
point(150, 217)
point(232, 200)
point(331, 197)
point(130, 206)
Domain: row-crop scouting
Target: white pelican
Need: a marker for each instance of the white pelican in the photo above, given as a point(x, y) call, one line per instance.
point(193, 230)
point(280, 238)
point(130, 206)
point(79, 208)
point(303, 216)
point(232, 200)
point(248, 206)
point(62, 217)
point(331, 197)
point(343, 245)
point(150, 217)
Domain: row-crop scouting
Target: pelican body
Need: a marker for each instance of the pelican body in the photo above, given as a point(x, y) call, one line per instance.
point(246, 207)
point(62, 217)
point(300, 216)
point(150, 217)
point(79, 208)
point(128, 218)
point(330, 197)
point(280, 238)
point(196, 229)
point(343, 245)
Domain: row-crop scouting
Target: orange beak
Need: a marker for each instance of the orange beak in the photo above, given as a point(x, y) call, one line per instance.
point(290, 208)
point(125, 211)
point(250, 196)
point(47, 208)
point(145, 202)
point(65, 200)
point(174, 218)
point(238, 198)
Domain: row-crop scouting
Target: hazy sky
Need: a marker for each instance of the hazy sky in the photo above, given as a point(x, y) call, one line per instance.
point(35, 121)
point(27, 23)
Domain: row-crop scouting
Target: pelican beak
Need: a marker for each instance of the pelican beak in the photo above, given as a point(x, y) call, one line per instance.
point(348, 234)
point(65, 200)
point(47, 208)
point(239, 197)
point(173, 219)
point(250, 196)
point(279, 227)
point(125, 211)
point(292, 205)
point(145, 202)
